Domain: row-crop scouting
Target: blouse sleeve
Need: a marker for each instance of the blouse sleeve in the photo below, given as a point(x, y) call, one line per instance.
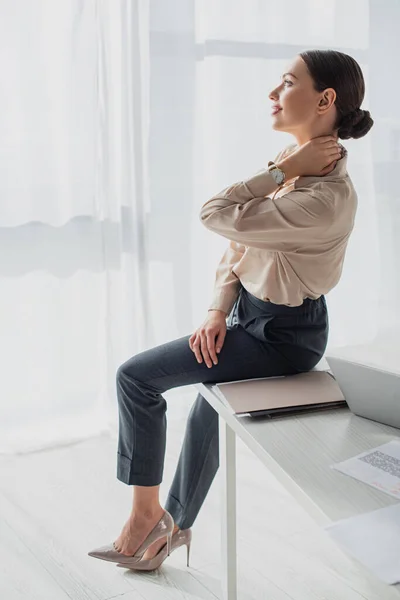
point(246, 214)
point(227, 284)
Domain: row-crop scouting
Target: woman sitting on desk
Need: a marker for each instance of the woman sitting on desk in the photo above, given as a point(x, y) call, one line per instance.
point(288, 227)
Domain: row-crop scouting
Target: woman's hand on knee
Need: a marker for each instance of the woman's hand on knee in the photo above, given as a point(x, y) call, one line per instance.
point(208, 339)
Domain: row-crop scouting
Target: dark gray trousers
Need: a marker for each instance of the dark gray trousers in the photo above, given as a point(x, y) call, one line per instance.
point(262, 340)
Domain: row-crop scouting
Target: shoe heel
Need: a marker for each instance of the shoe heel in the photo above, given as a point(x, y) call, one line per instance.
point(188, 552)
point(169, 538)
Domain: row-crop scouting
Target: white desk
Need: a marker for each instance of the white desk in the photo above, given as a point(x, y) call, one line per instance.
point(298, 450)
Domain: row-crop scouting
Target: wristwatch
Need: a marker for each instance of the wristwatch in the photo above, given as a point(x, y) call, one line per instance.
point(276, 172)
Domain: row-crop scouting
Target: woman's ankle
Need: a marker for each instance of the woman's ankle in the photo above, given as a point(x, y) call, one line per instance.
point(147, 512)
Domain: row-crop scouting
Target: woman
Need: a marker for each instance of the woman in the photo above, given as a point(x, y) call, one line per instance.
point(288, 227)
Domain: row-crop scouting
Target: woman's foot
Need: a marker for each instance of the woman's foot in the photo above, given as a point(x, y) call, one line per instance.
point(135, 531)
point(155, 548)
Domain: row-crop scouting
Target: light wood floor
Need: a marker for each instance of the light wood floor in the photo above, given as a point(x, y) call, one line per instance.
point(56, 505)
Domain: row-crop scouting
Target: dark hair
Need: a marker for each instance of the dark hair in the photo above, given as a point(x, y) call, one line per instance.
point(332, 69)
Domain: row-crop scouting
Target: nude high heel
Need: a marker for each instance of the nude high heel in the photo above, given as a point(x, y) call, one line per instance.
point(164, 527)
point(180, 538)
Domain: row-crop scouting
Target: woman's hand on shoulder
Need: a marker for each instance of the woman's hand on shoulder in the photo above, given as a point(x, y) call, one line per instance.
point(317, 158)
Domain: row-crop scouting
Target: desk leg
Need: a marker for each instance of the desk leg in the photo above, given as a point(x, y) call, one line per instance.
point(228, 510)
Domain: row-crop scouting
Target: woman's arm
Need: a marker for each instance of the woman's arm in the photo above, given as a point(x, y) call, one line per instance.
point(283, 224)
point(246, 214)
point(227, 284)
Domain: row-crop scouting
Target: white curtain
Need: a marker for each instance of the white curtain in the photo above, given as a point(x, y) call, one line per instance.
point(118, 119)
point(74, 255)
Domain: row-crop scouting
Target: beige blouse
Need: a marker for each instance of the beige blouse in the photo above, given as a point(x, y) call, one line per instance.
point(286, 243)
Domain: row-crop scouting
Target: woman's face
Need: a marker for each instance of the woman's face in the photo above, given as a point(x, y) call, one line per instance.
point(296, 98)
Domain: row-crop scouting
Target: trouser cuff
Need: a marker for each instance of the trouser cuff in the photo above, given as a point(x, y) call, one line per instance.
point(124, 474)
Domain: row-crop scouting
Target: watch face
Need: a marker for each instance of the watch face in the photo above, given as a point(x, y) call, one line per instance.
point(278, 175)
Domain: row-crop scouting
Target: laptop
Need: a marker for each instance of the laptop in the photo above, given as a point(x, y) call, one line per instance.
point(370, 392)
point(280, 396)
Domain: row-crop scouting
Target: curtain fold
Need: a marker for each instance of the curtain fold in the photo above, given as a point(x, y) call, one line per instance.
point(47, 122)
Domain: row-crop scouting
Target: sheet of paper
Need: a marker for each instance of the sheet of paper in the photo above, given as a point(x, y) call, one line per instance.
point(379, 467)
point(374, 540)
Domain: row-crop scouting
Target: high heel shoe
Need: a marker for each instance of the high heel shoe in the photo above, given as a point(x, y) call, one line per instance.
point(179, 538)
point(164, 527)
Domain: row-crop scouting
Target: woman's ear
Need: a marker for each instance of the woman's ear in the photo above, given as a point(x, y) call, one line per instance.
point(326, 101)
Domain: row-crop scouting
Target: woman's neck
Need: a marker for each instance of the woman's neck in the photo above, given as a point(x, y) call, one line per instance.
point(302, 137)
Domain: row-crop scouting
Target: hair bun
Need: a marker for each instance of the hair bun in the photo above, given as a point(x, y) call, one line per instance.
point(355, 124)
